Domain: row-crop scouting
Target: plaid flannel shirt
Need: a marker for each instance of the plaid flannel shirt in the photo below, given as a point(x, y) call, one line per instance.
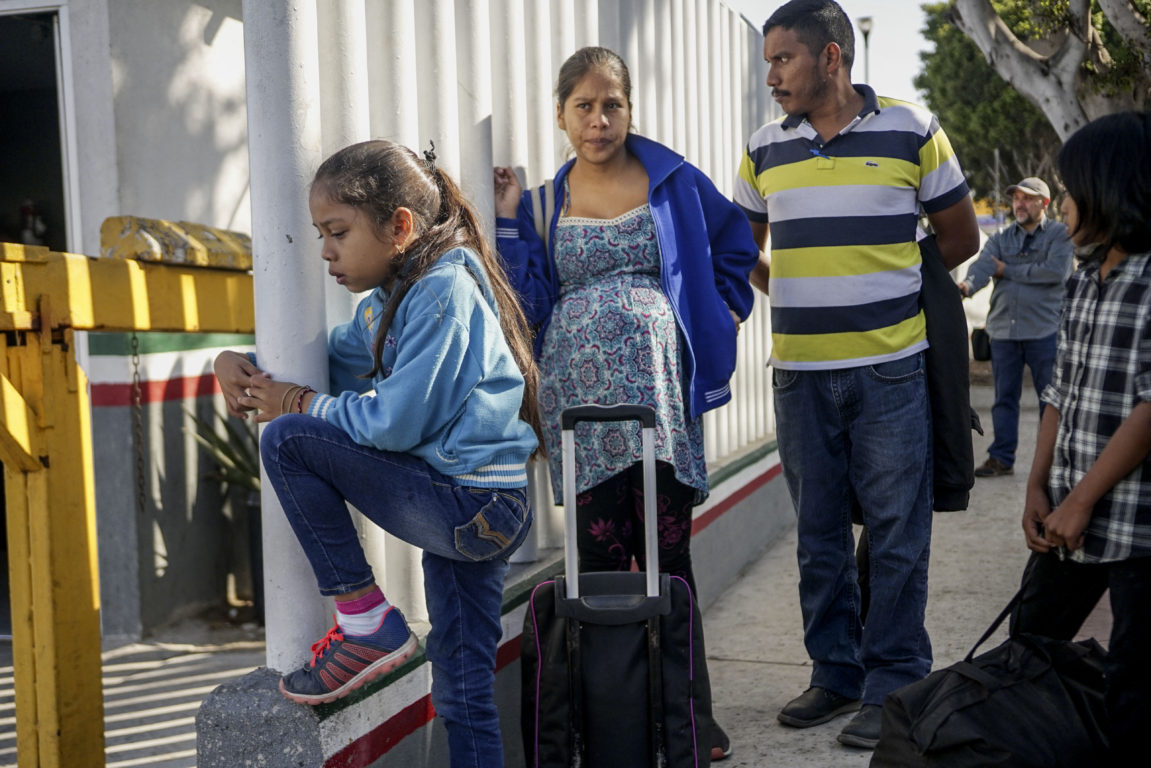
point(1102, 371)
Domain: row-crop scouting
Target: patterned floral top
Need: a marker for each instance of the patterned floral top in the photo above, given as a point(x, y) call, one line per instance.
point(613, 338)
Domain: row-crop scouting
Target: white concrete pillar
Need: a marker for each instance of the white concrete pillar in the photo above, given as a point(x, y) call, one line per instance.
point(284, 149)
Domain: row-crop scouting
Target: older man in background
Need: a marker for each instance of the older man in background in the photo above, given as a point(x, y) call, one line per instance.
point(1029, 261)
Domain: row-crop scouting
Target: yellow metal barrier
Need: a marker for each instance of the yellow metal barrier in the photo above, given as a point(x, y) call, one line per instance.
point(46, 449)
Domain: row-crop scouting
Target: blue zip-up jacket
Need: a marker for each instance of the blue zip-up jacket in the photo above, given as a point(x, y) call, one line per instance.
point(449, 390)
point(706, 256)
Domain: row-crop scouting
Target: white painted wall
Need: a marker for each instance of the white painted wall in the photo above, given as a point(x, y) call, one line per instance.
point(164, 126)
point(179, 110)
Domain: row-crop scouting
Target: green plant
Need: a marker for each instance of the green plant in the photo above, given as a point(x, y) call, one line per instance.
point(236, 451)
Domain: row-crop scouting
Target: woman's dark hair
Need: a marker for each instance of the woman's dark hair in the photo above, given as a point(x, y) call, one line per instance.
point(816, 23)
point(376, 178)
point(586, 60)
point(1106, 168)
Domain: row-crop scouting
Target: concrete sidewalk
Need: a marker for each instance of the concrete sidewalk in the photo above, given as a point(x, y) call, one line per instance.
point(757, 658)
point(754, 631)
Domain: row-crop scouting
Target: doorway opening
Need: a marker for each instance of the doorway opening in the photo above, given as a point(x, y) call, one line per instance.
point(32, 203)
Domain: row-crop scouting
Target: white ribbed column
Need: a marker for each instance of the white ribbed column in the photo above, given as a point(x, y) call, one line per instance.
point(343, 106)
point(700, 111)
point(394, 93)
point(346, 119)
point(715, 425)
point(436, 59)
point(540, 104)
point(611, 25)
point(284, 149)
point(676, 51)
point(392, 109)
point(540, 164)
point(663, 64)
point(647, 72)
point(572, 28)
point(509, 117)
point(473, 38)
point(587, 27)
point(628, 46)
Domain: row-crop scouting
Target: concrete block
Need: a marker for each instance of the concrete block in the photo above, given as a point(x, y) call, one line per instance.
point(249, 724)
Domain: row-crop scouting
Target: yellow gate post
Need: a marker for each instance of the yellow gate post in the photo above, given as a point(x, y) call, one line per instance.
point(46, 449)
point(52, 552)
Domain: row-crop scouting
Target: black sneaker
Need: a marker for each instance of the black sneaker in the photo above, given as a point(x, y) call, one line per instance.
point(815, 706)
point(993, 467)
point(863, 730)
point(342, 663)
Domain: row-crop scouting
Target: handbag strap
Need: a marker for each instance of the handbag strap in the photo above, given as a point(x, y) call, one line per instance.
point(1014, 601)
point(543, 210)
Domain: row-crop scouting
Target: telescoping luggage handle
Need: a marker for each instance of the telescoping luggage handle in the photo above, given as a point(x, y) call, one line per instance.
point(645, 415)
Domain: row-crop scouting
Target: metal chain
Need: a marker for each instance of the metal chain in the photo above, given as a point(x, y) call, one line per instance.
point(138, 426)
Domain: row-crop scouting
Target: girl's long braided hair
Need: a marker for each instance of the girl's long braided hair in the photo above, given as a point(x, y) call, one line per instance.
point(376, 178)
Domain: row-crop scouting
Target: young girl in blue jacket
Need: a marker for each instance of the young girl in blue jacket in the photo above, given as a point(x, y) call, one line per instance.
point(427, 429)
point(637, 298)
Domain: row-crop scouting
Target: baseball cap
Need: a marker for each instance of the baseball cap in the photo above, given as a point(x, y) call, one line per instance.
point(1032, 185)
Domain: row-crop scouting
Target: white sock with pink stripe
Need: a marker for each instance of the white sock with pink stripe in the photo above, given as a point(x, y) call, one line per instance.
point(363, 615)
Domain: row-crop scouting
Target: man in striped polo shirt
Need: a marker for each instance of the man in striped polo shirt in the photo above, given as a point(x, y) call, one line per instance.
point(840, 181)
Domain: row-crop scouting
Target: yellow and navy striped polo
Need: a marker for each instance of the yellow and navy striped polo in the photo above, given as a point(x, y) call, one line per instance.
point(845, 266)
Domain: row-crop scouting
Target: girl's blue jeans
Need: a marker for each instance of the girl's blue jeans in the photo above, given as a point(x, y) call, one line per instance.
point(466, 534)
point(860, 434)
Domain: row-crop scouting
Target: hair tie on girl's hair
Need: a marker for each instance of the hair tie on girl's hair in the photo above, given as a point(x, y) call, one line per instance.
point(430, 155)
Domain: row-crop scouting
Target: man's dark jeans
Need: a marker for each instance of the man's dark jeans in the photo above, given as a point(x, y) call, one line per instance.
point(1007, 361)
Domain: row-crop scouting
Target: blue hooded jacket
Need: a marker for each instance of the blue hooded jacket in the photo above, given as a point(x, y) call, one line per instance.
point(450, 390)
point(706, 256)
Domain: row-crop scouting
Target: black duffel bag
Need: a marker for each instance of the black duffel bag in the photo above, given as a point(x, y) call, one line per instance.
point(1032, 701)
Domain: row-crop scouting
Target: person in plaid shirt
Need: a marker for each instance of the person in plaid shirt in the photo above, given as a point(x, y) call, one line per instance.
point(1087, 515)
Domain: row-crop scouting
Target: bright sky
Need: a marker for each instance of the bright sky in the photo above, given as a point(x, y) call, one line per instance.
point(894, 43)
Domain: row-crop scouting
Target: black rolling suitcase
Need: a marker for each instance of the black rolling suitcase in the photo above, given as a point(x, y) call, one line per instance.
point(607, 662)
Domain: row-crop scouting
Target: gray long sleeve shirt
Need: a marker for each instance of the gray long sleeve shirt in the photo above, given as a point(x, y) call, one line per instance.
point(1027, 296)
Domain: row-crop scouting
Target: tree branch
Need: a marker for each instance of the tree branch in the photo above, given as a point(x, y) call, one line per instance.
point(1048, 82)
point(1131, 25)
